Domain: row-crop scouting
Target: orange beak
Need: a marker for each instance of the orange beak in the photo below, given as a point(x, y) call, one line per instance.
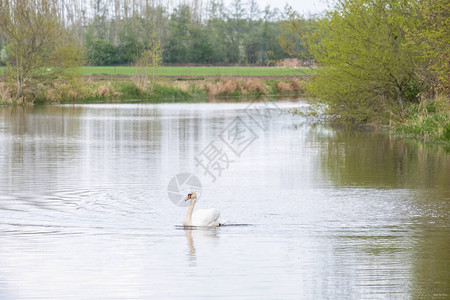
point(188, 197)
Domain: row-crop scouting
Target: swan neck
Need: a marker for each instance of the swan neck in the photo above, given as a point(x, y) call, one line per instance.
point(188, 221)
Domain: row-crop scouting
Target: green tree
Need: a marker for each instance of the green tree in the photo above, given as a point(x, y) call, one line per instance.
point(101, 52)
point(215, 29)
point(366, 61)
point(253, 42)
point(237, 28)
point(180, 23)
point(200, 49)
point(39, 48)
point(430, 32)
point(296, 33)
point(270, 33)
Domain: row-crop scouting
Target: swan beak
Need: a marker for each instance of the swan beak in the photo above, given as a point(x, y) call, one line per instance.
point(188, 197)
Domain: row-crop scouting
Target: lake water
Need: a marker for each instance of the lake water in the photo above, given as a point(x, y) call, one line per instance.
point(313, 212)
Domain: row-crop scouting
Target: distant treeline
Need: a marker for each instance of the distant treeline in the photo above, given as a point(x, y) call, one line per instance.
point(196, 32)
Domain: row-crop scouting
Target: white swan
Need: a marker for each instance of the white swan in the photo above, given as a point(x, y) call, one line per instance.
point(201, 217)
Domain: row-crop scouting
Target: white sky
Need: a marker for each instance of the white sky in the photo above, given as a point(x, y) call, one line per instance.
point(302, 6)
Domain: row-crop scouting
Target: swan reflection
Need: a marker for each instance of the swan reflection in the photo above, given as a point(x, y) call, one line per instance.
point(200, 234)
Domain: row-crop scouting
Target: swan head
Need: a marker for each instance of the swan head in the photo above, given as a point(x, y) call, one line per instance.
point(192, 196)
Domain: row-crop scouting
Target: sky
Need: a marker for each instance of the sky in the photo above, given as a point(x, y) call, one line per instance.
point(302, 6)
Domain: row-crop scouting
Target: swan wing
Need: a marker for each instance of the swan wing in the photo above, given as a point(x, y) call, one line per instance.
point(205, 217)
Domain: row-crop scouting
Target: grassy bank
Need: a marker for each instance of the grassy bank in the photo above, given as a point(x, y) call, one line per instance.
point(82, 90)
point(121, 83)
point(428, 120)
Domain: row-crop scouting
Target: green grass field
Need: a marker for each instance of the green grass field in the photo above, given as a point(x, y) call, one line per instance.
point(197, 71)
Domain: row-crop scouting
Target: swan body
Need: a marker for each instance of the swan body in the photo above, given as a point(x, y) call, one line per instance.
point(205, 217)
point(201, 217)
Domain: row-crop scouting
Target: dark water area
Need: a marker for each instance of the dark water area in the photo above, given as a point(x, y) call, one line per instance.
point(313, 212)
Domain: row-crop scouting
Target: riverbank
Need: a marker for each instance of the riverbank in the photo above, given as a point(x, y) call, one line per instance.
point(89, 90)
point(428, 120)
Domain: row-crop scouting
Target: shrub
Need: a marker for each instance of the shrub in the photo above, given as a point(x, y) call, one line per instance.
point(446, 133)
point(103, 91)
point(284, 88)
point(254, 87)
point(130, 90)
point(5, 94)
point(228, 87)
point(211, 89)
point(168, 92)
point(296, 86)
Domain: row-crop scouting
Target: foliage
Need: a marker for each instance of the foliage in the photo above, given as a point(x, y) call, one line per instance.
point(39, 49)
point(147, 64)
point(366, 59)
point(86, 91)
point(232, 88)
point(2, 55)
point(446, 133)
point(431, 34)
point(177, 50)
point(165, 92)
point(130, 91)
point(101, 52)
point(429, 120)
point(296, 32)
point(6, 95)
point(374, 56)
point(237, 34)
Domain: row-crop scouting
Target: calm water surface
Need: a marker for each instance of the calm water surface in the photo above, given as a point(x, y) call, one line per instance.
point(326, 213)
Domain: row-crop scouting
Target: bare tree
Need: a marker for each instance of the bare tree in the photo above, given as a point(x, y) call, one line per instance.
point(147, 64)
point(39, 47)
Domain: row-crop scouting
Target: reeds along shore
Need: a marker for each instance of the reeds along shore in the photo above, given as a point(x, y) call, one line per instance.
point(428, 120)
point(87, 90)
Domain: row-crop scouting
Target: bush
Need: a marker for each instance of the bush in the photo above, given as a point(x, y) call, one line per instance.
point(284, 88)
point(254, 86)
point(130, 90)
point(446, 133)
point(429, 120)
point(168, 92)
point(5, 94)
point(101, 52)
